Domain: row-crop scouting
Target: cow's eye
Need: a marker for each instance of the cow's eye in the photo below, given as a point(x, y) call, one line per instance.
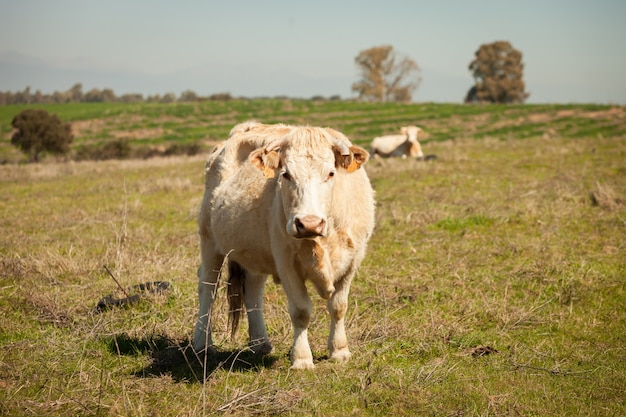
point(286, 176)
point(331, 174)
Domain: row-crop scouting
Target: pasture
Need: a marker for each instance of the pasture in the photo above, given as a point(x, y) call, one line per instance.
point(493, 285)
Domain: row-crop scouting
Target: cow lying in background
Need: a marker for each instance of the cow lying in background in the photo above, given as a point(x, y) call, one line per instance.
point(292, 202)
point(402, 145)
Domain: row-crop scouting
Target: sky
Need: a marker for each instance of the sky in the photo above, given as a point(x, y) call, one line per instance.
point(574, 51)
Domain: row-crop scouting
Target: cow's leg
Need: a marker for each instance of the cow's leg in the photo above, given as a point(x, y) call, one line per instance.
point(208, 274)
point(300, 308)
point(253, 298)
point(337, 306)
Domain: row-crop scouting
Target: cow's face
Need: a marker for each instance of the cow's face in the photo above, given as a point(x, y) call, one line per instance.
point(412, 132)
point(307, 162)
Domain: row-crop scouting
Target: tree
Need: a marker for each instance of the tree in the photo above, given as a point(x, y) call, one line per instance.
point(93, 96)
point(75, 93)
point(38, 131)
point(498, 71)
point(168, 98)
point(108, 95)
point(386, 75)
point(188, 95)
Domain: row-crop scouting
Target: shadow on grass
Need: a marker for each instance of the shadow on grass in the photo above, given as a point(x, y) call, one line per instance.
point(179, 360)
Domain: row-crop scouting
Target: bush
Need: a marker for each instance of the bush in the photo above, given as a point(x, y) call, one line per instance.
point(189, 149)
point(220, 97)
point(121, 149)
point(118, 149)
point(38, 132)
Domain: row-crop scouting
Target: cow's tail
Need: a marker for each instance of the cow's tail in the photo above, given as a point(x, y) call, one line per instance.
point(236, 279)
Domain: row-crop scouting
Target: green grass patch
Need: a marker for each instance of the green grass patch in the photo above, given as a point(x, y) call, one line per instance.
point(456, 225)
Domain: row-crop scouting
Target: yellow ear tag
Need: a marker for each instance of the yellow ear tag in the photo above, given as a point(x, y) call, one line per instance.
point(353, 166)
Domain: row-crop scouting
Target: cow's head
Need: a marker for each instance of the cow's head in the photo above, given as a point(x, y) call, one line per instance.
point(308, 161)
point(411, 132)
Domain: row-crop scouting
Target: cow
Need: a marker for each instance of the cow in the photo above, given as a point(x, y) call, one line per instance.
point(402, 145)
point(289, 201)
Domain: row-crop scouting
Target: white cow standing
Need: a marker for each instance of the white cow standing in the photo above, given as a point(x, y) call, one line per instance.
point(402, 145)
point(292, 202)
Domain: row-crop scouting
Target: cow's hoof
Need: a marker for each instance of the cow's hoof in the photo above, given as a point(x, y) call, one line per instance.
point(341, 355)
point(302, 364)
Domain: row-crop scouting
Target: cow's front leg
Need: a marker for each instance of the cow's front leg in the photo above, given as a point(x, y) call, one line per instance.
point(300, 308)
point(337, 306)
point(253, 299)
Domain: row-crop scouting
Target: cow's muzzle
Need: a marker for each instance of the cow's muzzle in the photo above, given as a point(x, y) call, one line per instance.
point(309, 226)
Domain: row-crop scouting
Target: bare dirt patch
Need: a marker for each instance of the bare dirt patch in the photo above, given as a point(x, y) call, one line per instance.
point(83, 127)
point(613, 112)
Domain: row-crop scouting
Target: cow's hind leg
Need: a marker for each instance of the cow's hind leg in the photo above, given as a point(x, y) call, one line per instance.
point(254, 286)
point(337, 306)
point(208, 275)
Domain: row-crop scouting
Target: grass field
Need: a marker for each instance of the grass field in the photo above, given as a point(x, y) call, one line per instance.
point(153, 125)
point(494, 283)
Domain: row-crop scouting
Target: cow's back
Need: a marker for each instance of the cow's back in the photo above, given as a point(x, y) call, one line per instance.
point(387, 145)
point(238, 197)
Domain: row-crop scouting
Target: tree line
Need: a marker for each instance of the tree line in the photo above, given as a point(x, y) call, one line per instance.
point(384, 75)
point(76, 95)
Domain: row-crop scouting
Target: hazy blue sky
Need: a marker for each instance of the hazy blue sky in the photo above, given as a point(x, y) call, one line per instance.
point(573, 50)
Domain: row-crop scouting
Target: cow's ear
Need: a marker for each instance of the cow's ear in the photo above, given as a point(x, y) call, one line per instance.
point(267, 160)
point(358, 156)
